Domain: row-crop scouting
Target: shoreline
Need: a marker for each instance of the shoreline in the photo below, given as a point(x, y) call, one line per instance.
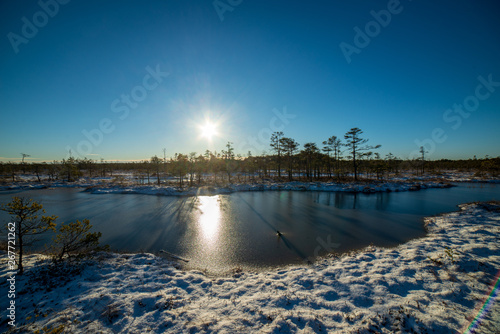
point(366, 187)
point(126, 183)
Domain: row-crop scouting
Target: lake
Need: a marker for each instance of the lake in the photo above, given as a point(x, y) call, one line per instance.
point(222, 232)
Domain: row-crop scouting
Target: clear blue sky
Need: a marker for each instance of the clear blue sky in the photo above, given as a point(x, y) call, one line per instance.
point(240, 65)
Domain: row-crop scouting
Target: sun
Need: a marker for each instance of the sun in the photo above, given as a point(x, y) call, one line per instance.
point(208, 130)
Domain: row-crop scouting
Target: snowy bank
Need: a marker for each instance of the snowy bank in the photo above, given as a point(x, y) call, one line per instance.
point(352, 187)
point(433, 284)
point(127, 185)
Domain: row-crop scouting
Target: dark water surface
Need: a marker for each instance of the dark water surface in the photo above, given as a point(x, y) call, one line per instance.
point(221, 232)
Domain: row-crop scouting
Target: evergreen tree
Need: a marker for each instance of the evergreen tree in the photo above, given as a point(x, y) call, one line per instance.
point(76, 241)
point(333, 144)
point(290, 147)
point(26, 223)
point(277, 147)
point(310, 152)
point(357, 148)
point(156, 162)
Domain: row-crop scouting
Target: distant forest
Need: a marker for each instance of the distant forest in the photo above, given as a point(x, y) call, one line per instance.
point(335, 160)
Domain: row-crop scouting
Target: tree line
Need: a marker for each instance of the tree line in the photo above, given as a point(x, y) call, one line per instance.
point(336, 159)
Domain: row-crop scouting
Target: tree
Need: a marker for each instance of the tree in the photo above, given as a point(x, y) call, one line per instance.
point(357, 148)
point(379, 166)
point(156, 162)
point(24, 155)
point(25, 219)
point(290, 147)
point(53, 170)
point(181, 161)
point(86, 164)
point(192, 160)
point(70, 168)
point(337, 144)
point(310, 151)
point(250, 166)
point(229, 160)
point(36, 169)
point(422, 152)
point(276, 147)
point(201, 167)
point(392, 162)
point(229, 154)
point(333, 144)
point(75, 240)
point(327, 148)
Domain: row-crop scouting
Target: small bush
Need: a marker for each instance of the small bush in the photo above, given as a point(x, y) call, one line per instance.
point(75, 242)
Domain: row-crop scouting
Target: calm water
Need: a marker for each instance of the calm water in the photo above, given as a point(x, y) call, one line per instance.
point(226, 231)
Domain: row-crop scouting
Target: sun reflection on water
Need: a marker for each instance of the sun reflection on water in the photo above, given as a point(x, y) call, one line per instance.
point(210, 217)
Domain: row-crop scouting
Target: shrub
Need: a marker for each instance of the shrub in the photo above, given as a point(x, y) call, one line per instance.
point(75, 242)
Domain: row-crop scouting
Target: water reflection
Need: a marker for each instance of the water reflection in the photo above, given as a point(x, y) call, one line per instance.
point(354, 201)
point(219, 233)
point(210, 217)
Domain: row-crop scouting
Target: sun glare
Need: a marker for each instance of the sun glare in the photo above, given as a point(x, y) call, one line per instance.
point(210, 216)
point(208, 130)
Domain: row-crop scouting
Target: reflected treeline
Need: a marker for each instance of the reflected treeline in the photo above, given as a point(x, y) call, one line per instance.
point(342, 200)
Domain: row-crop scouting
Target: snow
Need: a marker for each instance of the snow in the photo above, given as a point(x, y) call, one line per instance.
point(353, 187)
point(163, 190)
point(126, 183)
point(433, 284)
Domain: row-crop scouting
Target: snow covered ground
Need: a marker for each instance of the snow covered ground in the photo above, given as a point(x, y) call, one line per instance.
point(434, 284)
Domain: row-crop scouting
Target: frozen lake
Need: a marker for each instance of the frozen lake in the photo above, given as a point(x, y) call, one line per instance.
point(222, 232)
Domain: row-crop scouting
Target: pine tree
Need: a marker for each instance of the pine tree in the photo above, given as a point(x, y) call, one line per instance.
point(290, 147)
point(277, 147)
point(357, 148)
point(27, 224)
point(156, 162)
point(310, 151)
point(76, 241)
point(333, 144)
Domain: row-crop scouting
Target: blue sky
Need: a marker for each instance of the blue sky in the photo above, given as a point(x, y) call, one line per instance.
point(251, 67)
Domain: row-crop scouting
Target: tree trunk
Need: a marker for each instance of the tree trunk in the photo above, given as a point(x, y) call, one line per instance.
point(279, 165)
point(354, 163)
point(20, 264)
